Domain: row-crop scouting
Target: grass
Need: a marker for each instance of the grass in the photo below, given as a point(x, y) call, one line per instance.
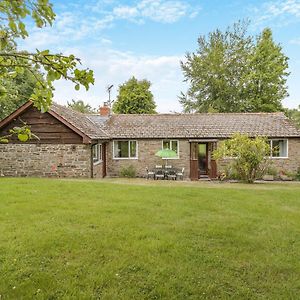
point(126, 239)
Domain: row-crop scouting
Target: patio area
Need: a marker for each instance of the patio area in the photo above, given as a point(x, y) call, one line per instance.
point(166, 172)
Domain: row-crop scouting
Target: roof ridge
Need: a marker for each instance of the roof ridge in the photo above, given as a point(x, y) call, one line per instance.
point(196, 114)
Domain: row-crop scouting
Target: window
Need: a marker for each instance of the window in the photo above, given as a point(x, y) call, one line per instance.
point(279, 148)
point(125, 149)
point(172, 145)
point(97, 153)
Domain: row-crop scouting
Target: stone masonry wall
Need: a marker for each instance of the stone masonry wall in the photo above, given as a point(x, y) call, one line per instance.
point(146, 158)
point(290, 164)
point(45, 160)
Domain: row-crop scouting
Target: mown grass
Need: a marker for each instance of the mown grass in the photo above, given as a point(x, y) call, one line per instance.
point(72, 239)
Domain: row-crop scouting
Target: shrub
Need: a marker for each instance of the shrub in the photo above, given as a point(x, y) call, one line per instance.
point(231, 172)
point(128, 172)
point(249, 156)
point(272, 171)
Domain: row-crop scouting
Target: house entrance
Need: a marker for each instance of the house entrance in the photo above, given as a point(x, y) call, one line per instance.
point(202, 159)
point(201, 162)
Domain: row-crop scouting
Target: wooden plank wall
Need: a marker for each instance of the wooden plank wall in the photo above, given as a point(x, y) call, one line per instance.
point(46, 127)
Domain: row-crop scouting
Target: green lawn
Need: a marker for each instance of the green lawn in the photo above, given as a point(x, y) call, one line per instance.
point(118, 239)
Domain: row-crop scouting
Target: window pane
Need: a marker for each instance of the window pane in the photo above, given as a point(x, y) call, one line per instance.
point(116, 149)
point(175, 146)
point(166, 145)
point(100, 151)
point(95, 153)
point(123, 149)
point(133, 149)
point(279, 148)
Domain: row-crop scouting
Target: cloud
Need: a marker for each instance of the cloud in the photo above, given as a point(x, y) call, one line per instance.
point(155, 10)
point(115, 67)
point(284, 11)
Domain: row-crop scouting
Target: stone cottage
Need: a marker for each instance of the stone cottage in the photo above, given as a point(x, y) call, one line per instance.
point(72, 144)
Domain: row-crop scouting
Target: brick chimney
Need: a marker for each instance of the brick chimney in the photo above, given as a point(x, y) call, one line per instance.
point(104, 110)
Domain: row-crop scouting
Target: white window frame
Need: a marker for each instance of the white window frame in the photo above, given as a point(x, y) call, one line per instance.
point(98, 159)
point(287, 149)
point(170, 140)
point(129, 141)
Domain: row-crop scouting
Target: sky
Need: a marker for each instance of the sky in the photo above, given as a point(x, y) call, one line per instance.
point(148, 39)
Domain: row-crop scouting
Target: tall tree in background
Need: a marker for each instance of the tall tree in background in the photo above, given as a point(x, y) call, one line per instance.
point(231, 69)
point(294, 115)
point(266, 82)
point(80, 106)
point(135, 97)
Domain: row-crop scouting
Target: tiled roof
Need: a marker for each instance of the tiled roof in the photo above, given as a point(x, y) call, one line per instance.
point(212, 125)
point(80, 121)
point(191, 126)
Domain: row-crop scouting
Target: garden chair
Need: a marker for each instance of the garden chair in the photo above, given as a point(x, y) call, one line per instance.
point(179, 175)
point(159, 173)
point(150, 173)
point(172, 175)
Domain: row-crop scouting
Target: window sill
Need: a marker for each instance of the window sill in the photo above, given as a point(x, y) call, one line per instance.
point(95, 163)
point(284, 157)
point(125, 158)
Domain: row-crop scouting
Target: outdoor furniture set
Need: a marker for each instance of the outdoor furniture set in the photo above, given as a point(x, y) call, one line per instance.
point(165, 173)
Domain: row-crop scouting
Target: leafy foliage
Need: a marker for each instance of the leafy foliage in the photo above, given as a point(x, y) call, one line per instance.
point(249, 156)
point(129, 172)
point(267, 76)
point(135, 98)
point(80, 106)
point(17, 90)
point(23, 133)
point(294, 115)
point(13, 62)
point(233, 72)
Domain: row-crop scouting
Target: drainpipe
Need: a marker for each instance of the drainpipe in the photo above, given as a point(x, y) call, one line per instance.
point(92, 163)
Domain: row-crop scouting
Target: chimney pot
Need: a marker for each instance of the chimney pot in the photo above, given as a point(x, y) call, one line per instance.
point(104, 110)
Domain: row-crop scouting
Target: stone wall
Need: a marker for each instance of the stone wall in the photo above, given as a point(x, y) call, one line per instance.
point(146, 158)
point(290, 164)
point(45, 160)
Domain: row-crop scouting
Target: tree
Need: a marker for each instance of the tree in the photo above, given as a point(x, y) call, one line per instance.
point(250, 156)
point(17, 90)
point(294, 115)
point(267, 75)
point(12, 62)
point(80, 106)
point(135, 98)
point(230, 70)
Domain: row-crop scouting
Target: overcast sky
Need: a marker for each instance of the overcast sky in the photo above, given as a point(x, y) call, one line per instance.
point(148, 38)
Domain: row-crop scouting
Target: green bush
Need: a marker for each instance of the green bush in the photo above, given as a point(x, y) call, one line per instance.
point(272, 171)
point(249, 156)
point(231, 172)
point(128, 172)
